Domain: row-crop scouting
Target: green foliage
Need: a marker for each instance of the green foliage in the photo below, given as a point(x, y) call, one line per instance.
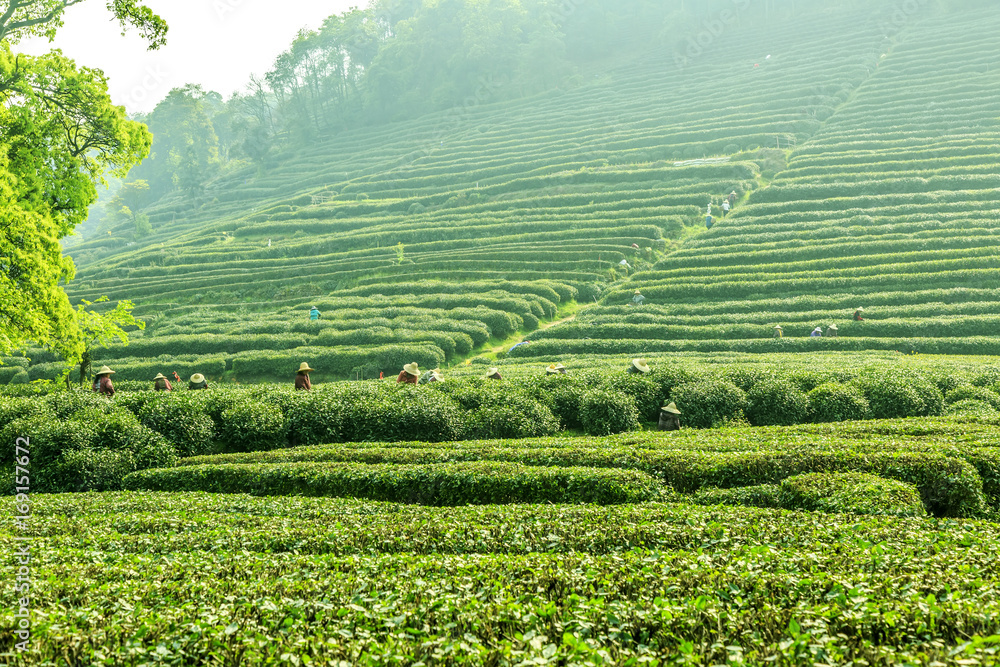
point(857, 493)
point(965, 392)
point(890, 397)
point(252, 425)
point(443, 484)
point(835, 402)
point(603, 412)
point(708, 403)
point(761, 495)
point(423, 568)
point(776, 402)
point(181, 421)
point(973, 409)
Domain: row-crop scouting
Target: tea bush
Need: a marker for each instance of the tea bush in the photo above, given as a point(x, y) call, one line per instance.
point(181, 420)
point(972, 392)
point(708, 403)
point(889, 397)
point(777, 403)
point(440, 484)
point(856, 493)
point(603, 412)
point(253, 426)
point(835, 402)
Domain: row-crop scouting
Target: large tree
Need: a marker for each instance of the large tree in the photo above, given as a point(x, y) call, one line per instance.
point(59, 133)
point(24, 18)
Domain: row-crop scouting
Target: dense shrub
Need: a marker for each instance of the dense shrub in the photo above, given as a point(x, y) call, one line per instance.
point(970, 408)
point(315, 418)
point(747, 377)
point(709, 403)
point(972, 392)
point(776, 402)
point(603, 412)
point(835, 402)
point(857, 493)
point(182, 421)
point(890, 397)
point(562, 395)
point(761, 495)
point(439, 484)
point(253, 426)
point(92, 450)
point(643, 389)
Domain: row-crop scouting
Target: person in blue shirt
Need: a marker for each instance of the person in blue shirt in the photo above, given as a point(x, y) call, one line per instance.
point(313, 314)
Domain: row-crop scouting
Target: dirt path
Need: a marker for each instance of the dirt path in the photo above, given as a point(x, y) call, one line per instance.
point(509, 344)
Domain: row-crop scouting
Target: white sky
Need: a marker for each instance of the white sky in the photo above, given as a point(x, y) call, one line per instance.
point(217, 43)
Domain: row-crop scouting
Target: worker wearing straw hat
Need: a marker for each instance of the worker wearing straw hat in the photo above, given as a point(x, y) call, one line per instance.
point(161, 383)
point(409, 375)
point(435, 376)
point(638, 298)
point(832, 331)
point(555, 369)
point(638, 366)
point(669, 418)
point(857, 314)
point(817, 333)
point(302, 382)
point(778, 332)
point(197, 381)
point(494, 374)
point(102, 382)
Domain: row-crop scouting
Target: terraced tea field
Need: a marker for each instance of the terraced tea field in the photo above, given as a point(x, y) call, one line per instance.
point(891, 205)
point(668, 577)
point(425, 240)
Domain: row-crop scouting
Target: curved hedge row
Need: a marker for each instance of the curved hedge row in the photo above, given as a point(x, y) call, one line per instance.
point(443, 484)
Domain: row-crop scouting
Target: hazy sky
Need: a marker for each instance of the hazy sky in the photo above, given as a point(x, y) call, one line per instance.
point(217, 43)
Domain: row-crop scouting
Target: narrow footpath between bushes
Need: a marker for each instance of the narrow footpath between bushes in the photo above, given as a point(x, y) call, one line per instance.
point(573, 309)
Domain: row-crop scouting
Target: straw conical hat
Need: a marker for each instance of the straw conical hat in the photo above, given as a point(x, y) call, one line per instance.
point(197, 377)
point(638, 292)
point(412, 369)
point(104, 371)
point(834, 327)
point(552, 369)
point(672, 408)
point(779, 327)
point(493, 371)
point(861, 308)
point(304, 368)
point(435, 375)
point(160, 376)
point(640, 365)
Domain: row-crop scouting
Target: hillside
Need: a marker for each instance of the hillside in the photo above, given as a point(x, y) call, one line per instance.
point(427, 239)
point(891, 206)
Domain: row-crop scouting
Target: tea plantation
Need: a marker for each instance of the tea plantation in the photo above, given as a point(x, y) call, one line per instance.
point(891, 206)
point(429, 239)
point(830, 500)
point(833, 542)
